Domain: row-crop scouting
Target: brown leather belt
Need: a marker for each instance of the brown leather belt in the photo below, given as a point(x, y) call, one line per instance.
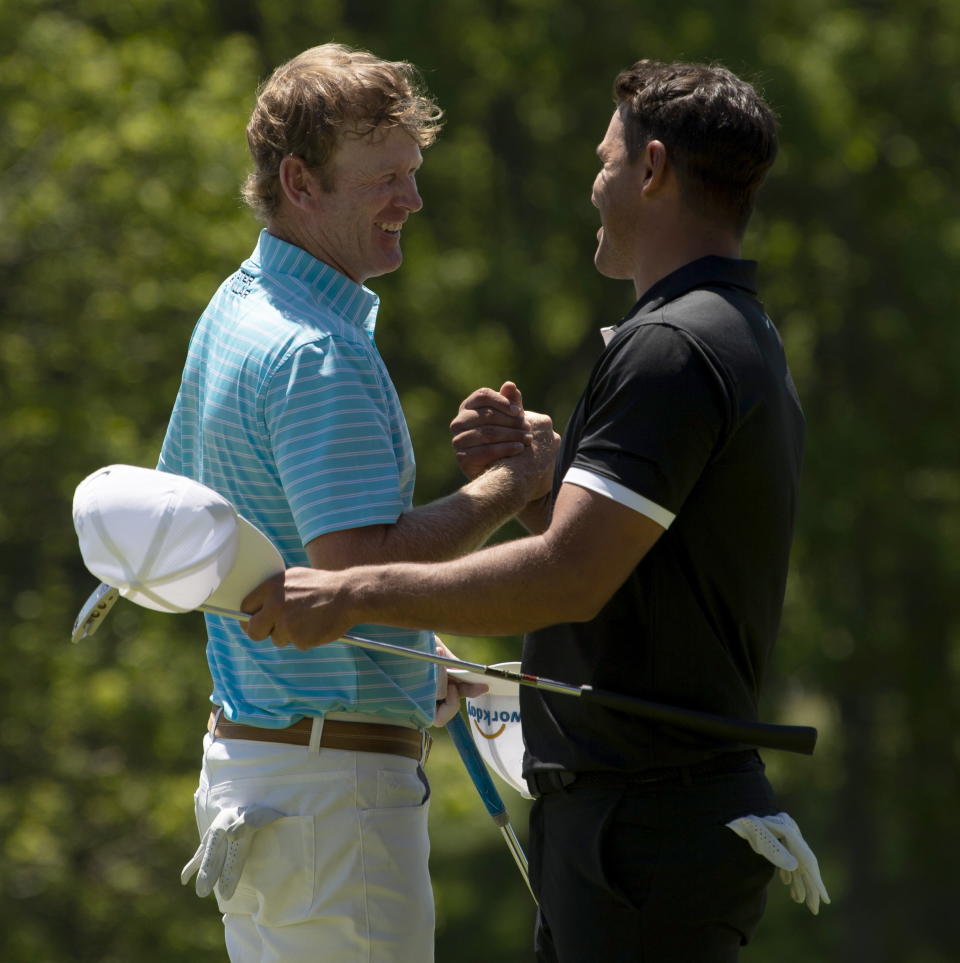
point(336, 734)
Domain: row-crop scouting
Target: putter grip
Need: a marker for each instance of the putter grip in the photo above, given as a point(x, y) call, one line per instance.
point(801, 739)
point(475, 766)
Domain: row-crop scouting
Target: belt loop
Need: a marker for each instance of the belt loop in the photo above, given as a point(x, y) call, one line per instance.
point(426, 741)
point(217, 716)
point(316, 734)
point(545, 781)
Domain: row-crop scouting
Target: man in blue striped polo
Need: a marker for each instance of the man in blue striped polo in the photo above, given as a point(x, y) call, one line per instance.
point(286, 409)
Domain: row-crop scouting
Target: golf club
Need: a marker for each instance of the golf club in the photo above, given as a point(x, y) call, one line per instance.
point(799, 739)
point(94, 611)
point(482, 781)
point(104, 597)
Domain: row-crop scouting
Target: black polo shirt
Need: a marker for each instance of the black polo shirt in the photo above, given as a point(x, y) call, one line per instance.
point(691, 417)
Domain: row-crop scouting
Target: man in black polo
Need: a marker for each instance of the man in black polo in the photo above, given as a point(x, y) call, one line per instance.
point(657, 568)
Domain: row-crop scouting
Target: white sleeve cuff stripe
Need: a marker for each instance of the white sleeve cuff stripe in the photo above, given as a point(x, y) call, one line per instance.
point(619, 493)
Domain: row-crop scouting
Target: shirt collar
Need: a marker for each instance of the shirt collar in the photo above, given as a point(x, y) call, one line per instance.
point(354, 303)
point(710, 271)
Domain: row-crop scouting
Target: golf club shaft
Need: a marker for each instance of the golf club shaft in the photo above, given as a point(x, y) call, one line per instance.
point(483, 782)
point(519, 857)
point(801, 739)
point(473, 762)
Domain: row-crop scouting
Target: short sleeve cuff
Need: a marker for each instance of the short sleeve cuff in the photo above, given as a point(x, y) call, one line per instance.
point(619, 493)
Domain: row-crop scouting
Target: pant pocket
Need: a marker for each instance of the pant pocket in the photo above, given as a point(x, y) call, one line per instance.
point(278, 884)
point(400, 789)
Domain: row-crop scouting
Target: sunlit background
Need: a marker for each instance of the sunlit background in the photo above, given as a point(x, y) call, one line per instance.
point(122, 152)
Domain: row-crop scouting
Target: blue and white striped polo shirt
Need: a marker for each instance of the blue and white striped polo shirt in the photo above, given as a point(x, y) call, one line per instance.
point(286, 408)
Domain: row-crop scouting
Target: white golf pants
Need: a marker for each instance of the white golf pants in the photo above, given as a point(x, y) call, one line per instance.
point(344, 877)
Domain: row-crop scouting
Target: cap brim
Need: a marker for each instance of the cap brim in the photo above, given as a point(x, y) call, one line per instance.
point(503, 687)
point(257, 560)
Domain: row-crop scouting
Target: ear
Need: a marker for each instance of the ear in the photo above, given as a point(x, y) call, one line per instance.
point(655, 167)
point(298, 183)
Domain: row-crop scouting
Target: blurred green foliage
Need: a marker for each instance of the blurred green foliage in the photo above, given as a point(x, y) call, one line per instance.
point(122, 151)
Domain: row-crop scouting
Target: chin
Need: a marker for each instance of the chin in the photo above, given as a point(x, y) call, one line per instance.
point(600, 263)
point(609, 268)
point(385, 267)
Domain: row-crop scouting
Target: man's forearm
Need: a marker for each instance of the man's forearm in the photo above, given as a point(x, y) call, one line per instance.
point(446, 528)
point(535, 517)
point(565, 574)
point(502, 590)
point(457, 523)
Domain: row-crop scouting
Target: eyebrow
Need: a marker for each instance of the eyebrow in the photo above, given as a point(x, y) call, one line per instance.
point(390, 168)
point(380, 171)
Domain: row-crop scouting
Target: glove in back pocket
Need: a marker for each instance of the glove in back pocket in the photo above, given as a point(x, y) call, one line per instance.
point(277, 886)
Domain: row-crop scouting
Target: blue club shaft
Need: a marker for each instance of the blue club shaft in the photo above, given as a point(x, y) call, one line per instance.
point(483, 782)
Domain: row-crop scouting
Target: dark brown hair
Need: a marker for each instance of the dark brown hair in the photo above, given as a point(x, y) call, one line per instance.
point(719, 133)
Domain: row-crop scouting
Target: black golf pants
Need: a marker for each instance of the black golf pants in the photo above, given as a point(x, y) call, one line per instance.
point(648, 874)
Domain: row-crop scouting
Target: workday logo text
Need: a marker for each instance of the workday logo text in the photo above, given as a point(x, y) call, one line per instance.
point(491, 724)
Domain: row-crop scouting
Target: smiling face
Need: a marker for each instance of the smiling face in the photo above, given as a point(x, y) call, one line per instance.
point(616, 192)
point(355, 228)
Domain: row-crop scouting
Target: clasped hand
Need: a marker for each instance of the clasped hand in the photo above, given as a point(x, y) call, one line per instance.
point(492, 427)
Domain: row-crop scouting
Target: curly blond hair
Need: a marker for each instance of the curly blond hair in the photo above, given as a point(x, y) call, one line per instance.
point(309, 102)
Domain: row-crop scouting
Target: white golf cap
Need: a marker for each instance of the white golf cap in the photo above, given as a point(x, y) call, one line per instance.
point(495, 724)
point(167, 542)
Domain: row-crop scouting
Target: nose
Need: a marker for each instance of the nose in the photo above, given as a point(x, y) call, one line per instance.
point(410, 198)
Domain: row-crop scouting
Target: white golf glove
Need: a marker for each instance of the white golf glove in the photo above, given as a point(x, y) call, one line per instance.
point(224, 847)
point(778, 839)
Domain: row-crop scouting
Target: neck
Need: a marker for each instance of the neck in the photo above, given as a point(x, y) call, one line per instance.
point(679, 244)
point(290, 230)
point(287, 230)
